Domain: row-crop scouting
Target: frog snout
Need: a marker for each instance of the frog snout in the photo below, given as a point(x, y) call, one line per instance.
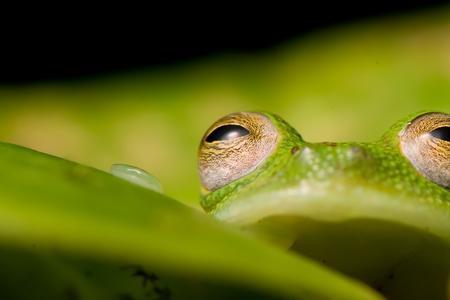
point(322, 160)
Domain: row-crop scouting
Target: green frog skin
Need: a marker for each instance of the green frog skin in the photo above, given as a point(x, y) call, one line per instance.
point(378, 212)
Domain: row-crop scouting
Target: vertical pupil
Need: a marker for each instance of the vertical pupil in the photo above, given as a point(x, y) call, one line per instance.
point(226, 132)
point(442, 133)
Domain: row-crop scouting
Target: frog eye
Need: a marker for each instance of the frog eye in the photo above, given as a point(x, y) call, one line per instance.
point(426, 143)
point(234, 146)
point(442, 133)
point(226, 132)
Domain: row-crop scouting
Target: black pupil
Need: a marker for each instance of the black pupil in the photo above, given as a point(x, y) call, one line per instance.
point(226, 132)
point(442, 133)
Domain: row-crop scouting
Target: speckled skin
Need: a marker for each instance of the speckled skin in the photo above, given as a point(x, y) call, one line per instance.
point(379, 165)
point(334, 182)
point(363, 209)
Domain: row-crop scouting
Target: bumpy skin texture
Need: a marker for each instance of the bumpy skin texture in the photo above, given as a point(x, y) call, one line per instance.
point(334, 182)
point(296, 164)
point(379, 212)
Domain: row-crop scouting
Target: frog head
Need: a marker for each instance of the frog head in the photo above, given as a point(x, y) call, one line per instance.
point(359, 207)
point(248, 156)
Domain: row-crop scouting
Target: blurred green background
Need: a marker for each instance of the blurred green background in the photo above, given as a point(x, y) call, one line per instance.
point(347, 83)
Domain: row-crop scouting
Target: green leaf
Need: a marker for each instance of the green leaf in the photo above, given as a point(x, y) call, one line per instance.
point(73, 232)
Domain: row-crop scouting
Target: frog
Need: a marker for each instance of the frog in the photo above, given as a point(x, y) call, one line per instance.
point(378, 212)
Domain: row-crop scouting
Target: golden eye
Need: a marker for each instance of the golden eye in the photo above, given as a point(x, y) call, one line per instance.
point(426, 143)
point(234, 146)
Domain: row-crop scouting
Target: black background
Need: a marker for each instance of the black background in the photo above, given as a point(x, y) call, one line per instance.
point(60, 47)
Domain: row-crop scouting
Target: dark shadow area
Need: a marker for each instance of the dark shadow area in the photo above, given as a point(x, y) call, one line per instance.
point(79, 46)
point(398, 261)
point(36, 273)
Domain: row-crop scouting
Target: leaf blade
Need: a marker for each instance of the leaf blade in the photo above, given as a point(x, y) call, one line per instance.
point(82, 211)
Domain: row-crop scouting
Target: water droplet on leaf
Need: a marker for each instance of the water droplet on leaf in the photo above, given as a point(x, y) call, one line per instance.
point(137, 176)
